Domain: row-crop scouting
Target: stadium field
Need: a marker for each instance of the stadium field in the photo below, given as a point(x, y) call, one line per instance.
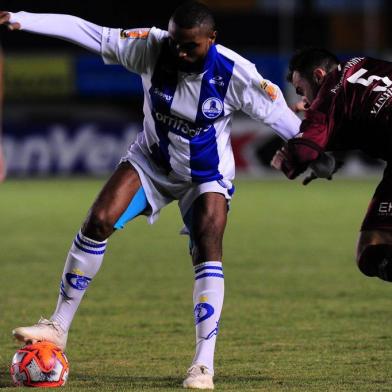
point(298, 315)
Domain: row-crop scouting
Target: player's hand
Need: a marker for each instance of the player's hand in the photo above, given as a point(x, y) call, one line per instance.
point(278, 159)
point(5, 20)
point(299, 107)
point(324, 167)
point(312, 176)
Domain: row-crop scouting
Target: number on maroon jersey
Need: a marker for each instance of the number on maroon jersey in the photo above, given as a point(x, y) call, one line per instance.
point(356, 78)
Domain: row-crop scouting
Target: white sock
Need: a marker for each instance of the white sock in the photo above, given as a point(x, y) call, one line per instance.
point(208, 296)
point(83, 262)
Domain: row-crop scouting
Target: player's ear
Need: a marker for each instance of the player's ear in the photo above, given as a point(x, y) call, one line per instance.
point(319, 75)
point(212, 37)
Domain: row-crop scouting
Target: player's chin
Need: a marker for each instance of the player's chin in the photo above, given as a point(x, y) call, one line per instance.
point(190, 65)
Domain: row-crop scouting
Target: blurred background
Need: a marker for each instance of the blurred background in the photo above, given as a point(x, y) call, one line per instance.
point(66, 113)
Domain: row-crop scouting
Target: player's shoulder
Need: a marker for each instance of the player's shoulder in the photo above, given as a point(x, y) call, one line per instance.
point(243, 69)
point(239, 61)
point(372, 62)
point(143, 33)
point(231, 54)
point(158, 33)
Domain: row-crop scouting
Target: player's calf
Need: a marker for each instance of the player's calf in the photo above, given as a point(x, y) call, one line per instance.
point(376, 260)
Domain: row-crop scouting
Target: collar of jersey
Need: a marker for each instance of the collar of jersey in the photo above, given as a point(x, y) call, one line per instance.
point(210, 58)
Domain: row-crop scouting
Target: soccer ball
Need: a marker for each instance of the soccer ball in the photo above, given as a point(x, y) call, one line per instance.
point(39, 365)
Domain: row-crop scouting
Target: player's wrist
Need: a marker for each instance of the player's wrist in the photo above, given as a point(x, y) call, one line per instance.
point(14, 21)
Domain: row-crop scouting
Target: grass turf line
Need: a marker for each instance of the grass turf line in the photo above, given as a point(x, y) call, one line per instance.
point(298, 316)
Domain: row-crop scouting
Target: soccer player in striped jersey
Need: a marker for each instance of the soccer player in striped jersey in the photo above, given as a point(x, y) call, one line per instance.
point(348, 107)
point(192, 86)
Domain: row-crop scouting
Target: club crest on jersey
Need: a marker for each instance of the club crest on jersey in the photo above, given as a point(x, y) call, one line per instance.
point(134, 34)
point(270, 89)
point(203, 311)
point(212, 107)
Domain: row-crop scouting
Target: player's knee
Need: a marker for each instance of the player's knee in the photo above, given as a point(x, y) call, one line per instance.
point(98, 226)
point(376, 260)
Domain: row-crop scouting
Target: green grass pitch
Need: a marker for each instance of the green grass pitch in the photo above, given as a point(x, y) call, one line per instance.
point(298, 315)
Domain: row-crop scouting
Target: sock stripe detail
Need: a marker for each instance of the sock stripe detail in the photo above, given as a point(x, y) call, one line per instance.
point(209, 274)
point(208, 267)
point(90, 244)
point(93, 252)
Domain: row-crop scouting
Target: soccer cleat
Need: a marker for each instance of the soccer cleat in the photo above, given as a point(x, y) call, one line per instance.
point(199, 377)
point(44, 330)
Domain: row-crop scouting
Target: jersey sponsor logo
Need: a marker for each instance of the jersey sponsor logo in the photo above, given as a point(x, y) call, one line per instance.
point(381, 101)
point(218, 80)
point(134, 34)
point(270, 89)
point(203, 311)
point(178, 124)
point(385, 208)
point(162, 95)
point(212, 107)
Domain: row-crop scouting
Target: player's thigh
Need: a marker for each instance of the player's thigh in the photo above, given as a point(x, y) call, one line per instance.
point(115, 195)
point(376, 227)
point(368, 238)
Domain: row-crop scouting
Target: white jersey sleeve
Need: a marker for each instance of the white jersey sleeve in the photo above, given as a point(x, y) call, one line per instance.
point(135, 49)
point(263, 100)
point(67, 27)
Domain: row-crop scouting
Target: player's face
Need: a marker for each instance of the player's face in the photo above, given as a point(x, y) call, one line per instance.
point(190, 46)
point(305, 88)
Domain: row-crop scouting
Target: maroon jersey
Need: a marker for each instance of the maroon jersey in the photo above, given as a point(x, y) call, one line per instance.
point(352, 110)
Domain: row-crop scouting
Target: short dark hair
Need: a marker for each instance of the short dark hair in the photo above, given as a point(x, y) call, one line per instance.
point(307, 59)
point(191, 14)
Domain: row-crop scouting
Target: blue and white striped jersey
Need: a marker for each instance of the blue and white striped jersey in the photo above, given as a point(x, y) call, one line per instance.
point(187, 117)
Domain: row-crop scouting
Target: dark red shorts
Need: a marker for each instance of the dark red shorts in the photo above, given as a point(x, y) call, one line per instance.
point(379, 213)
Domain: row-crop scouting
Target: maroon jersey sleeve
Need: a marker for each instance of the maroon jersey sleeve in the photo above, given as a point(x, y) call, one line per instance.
point(314, 132)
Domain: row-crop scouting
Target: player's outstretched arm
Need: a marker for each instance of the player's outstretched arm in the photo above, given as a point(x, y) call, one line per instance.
point(66, 27)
